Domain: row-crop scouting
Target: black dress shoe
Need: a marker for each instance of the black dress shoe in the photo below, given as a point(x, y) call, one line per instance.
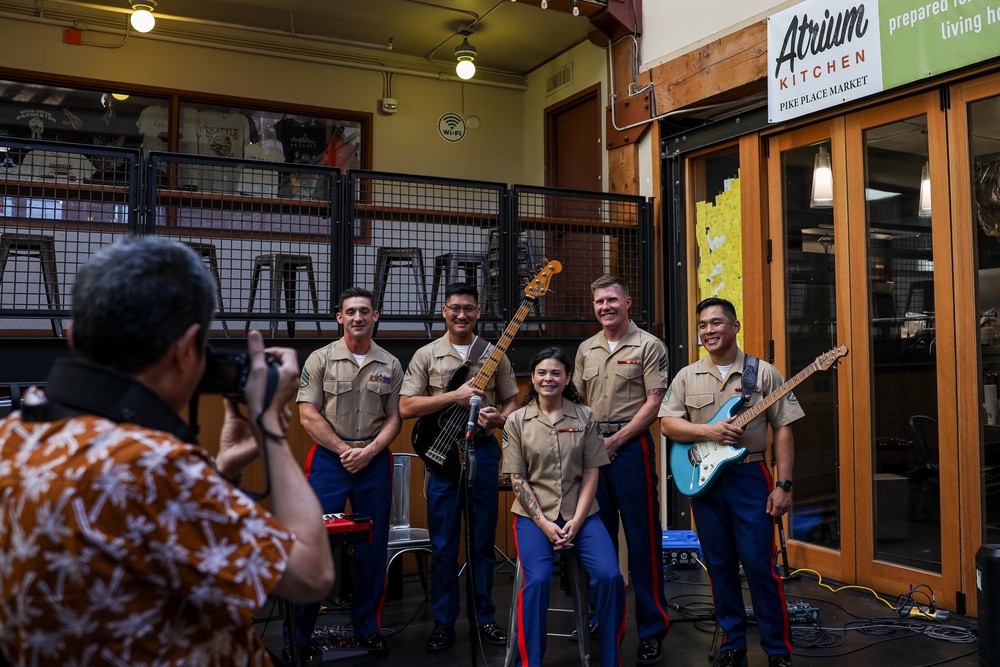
point(491, 633)
point(441, 638)
point(373, 643)
point(734, 657)
point(780, 660)
point(650, 650)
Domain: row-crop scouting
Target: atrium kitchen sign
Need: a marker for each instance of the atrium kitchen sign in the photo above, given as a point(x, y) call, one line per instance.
point(820, 54)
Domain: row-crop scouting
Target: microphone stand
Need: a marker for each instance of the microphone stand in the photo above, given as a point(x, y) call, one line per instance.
point(469, 477)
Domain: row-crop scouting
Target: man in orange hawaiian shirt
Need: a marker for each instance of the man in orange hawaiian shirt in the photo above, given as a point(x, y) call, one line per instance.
point(119, 543)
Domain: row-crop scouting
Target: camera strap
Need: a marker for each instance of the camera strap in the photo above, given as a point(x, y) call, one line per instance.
point(272, 385)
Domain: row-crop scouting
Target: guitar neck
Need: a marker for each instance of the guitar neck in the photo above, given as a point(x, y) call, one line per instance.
point(500, 347)
point(745, 418)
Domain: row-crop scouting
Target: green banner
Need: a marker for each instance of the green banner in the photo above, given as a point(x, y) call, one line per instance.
point(923, 39)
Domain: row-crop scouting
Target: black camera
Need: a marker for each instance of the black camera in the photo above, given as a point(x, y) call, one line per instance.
point(226, 373)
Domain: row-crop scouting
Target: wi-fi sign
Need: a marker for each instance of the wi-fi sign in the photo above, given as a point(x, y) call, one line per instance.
point(452, 127)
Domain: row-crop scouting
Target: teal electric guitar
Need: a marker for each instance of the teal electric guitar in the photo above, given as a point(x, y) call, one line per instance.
point(695, 467)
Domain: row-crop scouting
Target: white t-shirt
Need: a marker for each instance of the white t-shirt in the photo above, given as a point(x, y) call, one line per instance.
point(613, 344)
point(260, 182)
point(463, 350)
point(221, 135)
point(360, 358)
point(723, 370)
point(55, 165)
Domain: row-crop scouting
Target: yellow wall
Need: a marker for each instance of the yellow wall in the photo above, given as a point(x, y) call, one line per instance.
point(406, 142)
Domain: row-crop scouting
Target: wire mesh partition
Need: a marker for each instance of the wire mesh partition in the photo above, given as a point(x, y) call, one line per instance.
point(591, 234)
point(59, 203)
point(265, 229)
point(423, 234)
point(283, 240)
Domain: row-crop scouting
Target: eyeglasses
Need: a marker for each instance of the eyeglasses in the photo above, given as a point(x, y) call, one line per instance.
point(468, 310)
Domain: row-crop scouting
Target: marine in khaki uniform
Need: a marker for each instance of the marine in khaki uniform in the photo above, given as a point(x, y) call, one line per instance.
point(735, 516)
point(424, 393)
point(349, 403)
point(622, 374)
point(553, 450)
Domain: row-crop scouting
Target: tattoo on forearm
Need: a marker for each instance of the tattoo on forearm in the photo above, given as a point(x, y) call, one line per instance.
point(523, 493)
point(656, 392)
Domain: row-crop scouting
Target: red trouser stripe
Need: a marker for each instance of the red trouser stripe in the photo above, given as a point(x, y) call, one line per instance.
point(522, 645)
point(309, 459)
point(786, 631)
point(655, 537)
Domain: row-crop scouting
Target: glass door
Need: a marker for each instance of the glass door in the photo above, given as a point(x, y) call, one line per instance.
point(862, 251)
point(810, 291)
point(974, 132)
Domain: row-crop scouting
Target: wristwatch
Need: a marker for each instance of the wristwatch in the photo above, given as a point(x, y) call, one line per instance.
point(785, 484)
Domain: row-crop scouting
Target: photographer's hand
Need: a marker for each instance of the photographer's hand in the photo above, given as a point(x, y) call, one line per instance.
point(237, 445)
point(256, 388)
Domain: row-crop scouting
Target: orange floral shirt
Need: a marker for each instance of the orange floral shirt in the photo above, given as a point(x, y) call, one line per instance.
point(119, 545)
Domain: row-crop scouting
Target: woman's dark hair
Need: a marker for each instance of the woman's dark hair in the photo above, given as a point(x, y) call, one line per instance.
point(559, 355)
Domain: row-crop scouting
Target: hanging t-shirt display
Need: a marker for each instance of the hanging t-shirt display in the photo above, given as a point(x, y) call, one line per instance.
point(301, 141)
point(154, 126)
point(221, 134)
point(260, 182)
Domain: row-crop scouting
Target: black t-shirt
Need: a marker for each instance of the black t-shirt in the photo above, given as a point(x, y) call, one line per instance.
point(301, 142)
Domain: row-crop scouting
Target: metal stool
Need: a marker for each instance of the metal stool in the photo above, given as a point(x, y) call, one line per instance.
point(207, 252)
point(385, 258)
point(451, 263)
point(578, 589)
point(42, 248)
point(284, 268)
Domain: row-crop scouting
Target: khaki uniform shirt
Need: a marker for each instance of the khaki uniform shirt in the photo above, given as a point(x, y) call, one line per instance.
point(553, 456)
point(353, 399)
point(616, 382)
point(432, 366)
point(697, 393)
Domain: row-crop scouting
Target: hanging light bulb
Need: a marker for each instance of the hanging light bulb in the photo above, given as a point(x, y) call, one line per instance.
point(822, 185)
point(545, 5)
point(465, 53)
point(142, 15)
point(925, 190)
point(576, 8)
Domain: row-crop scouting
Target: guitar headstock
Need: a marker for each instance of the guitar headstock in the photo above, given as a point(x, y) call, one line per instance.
point(829, 358)
point(540, 285)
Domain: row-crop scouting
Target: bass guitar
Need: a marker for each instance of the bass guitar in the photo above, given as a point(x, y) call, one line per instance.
point(695, 467)
point(437, 437)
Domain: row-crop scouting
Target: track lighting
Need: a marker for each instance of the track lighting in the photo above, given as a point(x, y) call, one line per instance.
point(465, 53)
point(142, 15)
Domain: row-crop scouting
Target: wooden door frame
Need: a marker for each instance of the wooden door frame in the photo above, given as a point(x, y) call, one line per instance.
point(838, 564)
point(583, 97)
point(882, 575)
point(969, 378)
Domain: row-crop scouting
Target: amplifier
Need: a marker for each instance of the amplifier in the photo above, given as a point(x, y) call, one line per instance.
point(681, 548)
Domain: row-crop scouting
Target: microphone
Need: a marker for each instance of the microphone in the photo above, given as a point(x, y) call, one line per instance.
point(474, 404)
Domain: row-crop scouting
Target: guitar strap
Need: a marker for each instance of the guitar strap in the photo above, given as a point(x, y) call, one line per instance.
point(478, 349)
point(749, 377)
